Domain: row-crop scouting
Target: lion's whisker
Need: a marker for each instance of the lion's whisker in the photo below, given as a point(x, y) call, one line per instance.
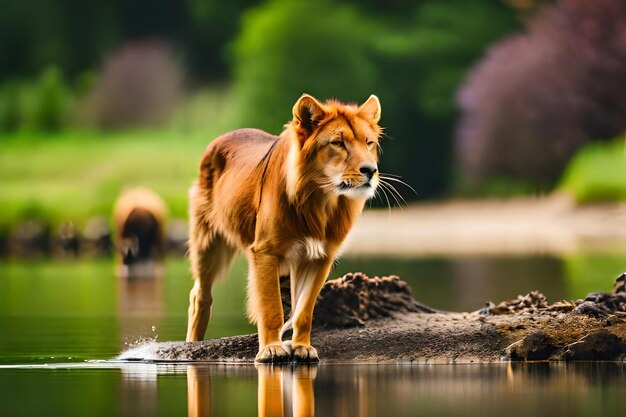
point(398, 180)
point(394, 190)
point(387, 187)
point(385, 195)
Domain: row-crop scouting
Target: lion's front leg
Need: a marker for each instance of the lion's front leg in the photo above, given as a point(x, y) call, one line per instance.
point(265, 307)
point(308, 280)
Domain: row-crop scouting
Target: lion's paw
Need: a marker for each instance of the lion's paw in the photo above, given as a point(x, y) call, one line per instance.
point(304, 353)
point(272, 354)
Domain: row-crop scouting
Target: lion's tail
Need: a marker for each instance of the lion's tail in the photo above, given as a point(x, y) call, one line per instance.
point(286, 327)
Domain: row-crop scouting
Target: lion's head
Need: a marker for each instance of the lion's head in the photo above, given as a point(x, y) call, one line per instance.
point(336, 146)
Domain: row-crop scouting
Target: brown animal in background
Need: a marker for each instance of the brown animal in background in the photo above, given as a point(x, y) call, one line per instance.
point(288, 203)
point(139, 217)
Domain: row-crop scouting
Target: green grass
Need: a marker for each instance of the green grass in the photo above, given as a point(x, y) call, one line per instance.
point(597, 173)
point(73, 176)
point(76, 174)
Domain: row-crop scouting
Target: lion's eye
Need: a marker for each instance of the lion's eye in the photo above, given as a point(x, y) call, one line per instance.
point(370, 143)
point(337, 143)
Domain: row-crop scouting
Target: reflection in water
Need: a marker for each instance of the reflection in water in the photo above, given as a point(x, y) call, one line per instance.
point(291, 387)
point(283, 391)
point(70, 316)
point(140, 307)
point(138, 391)
point(270, 391)
point(514, 389)
point(466, 283)
point(303, 397)
point(198, 391)
point(81, 311)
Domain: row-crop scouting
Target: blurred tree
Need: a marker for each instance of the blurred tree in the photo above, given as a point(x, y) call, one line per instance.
point(51, 102)
point(422, 62)
point(283, 52)
point(149, 19)
point(10, 115)
point(27, 38)
point(384, 8)
point(35, 34)
point(213, 24)
point(90, 28)
point(412, 54)
point(413, 59)
point(140, 85)
point(538, 97)
point(42, 106)
point(75, 36)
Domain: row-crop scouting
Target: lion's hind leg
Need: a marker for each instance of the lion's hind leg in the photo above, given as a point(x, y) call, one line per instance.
point(209, 264)
point(210, 256)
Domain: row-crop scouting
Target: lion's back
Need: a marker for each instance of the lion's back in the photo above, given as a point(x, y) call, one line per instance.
point(240, 149)
point(228, 186)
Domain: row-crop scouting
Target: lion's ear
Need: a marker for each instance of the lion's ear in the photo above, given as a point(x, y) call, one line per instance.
point(308, 113)
point(371, 108)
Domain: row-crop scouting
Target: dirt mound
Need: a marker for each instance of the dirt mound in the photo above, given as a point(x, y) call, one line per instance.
point(366, 319)
point(355, 298)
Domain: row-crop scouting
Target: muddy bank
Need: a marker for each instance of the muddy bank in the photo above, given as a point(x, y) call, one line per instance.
point(361, 319)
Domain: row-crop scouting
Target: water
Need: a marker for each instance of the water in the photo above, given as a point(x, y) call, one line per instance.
point(587, 389)
point(61, 322)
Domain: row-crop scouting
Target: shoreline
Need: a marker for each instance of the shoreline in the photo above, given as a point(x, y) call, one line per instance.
point(379, 321)
point(552, 225)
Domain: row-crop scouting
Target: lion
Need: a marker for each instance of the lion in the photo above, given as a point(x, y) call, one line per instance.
point(139, 216)
point(287, 202)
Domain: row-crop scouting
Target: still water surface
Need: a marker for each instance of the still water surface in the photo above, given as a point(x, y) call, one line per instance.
point(61, 322)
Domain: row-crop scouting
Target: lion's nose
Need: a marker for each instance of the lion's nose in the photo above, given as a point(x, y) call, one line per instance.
point(368, 170)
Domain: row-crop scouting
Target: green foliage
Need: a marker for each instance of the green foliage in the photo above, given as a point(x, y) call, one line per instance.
point(10, 114)
point(71, 35)
point(76, 35)
point(51, 102)
point(213, 24)
point(597, 173)
point(413, 55)
point(42, 106)
point(435, 45)
point(538, 96)
point(422, 61)
point(75, 174)
point(413, 61)
point(283, 52)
